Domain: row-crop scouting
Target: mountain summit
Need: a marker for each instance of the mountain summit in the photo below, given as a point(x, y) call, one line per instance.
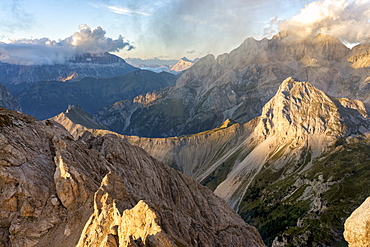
point(182, 64)
point(296, 126)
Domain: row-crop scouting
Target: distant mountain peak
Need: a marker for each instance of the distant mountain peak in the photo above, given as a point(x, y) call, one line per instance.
point(183, 64)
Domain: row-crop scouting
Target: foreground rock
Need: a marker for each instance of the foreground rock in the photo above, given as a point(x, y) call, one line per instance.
point(101, 191)
point(357, 230)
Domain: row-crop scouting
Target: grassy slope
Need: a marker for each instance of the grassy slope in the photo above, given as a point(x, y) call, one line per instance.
point(274, 203)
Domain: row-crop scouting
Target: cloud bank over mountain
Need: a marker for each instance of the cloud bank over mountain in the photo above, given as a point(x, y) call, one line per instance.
point(45, 51)
point(347, 20)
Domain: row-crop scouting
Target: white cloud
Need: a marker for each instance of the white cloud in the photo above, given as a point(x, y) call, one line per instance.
point(125, 11)
point(347, 20)
point(46, 51)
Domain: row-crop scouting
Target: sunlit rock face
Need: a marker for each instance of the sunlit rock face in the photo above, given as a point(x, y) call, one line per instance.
point(101, 191)
point(182, 64)
point(357, 230)
point(238, 84)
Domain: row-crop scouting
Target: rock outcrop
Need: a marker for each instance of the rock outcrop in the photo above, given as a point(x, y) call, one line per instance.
point(101, 191)
point(357, 230)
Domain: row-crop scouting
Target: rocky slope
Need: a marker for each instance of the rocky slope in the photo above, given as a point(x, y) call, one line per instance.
point(44, 99)
point(296, 172)
point(192, 155)
point(238, 84)
point(7, 100)
point(101, 191)
point(77, 119)
point(17, 77)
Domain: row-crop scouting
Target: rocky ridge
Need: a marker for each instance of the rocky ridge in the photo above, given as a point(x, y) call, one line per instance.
point(102, 191)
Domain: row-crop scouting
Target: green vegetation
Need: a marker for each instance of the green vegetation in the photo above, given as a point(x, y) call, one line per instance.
point(266, 207)
point(275, 202)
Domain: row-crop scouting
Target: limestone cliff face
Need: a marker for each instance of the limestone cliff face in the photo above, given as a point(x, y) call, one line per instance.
point(237, 85)
point(101, 191)
point(357, 231)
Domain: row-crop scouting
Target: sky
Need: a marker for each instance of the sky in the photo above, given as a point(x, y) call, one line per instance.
point(47, 32)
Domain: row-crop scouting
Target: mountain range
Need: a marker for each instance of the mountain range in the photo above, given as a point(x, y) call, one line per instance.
point(158, 65)
point(238, 84)
point(45, 99)
point(286, 171)
point(18, 77)
point(278, 128)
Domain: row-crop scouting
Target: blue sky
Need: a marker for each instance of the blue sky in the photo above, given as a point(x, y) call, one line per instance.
point(156, 28)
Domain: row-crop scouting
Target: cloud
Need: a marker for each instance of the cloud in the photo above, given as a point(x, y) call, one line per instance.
point(46, 51)
point(347, 20)
point(191, 52)
point(125, 11)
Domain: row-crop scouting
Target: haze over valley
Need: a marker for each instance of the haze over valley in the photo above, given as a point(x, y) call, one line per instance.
point(185, 123)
